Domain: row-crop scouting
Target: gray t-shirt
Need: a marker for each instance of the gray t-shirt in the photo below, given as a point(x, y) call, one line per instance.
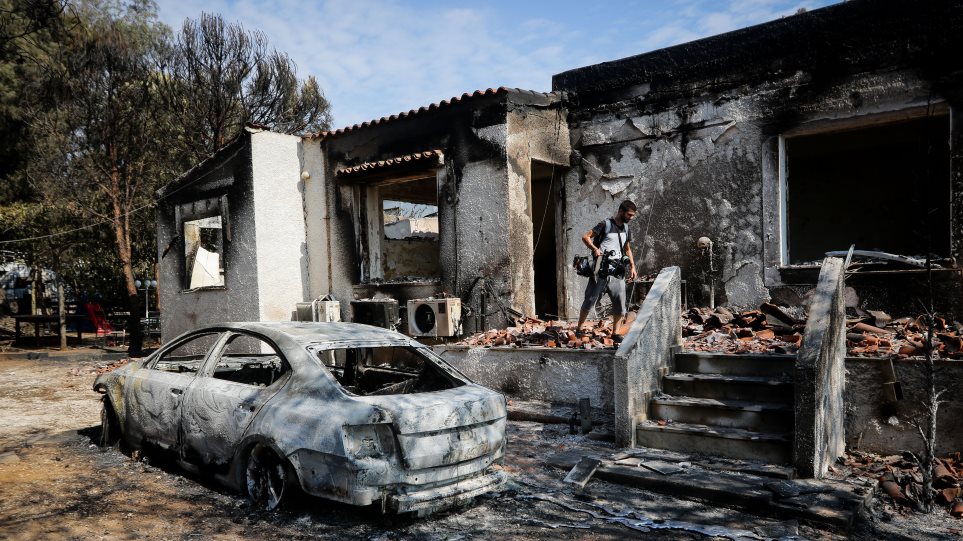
point(615, 239)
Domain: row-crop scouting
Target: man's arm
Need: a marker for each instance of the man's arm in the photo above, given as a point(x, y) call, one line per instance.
point(587, 239)
point(627, 250)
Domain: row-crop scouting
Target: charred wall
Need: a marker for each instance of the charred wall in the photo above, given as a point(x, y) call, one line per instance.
point(228, 174)
point(696, 134)
point(472, 183)
point(485, 229)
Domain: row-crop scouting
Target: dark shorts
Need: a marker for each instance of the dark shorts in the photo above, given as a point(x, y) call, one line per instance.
point(595, 288)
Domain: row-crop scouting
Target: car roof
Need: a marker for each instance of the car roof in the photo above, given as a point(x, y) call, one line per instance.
point(318, 333)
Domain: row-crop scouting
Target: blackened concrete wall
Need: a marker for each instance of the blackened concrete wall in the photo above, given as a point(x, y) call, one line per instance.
point(873, 424)
point(265, 260)
point(692, 133)
point(485, 228)
point(227, 173)
point(559, 376)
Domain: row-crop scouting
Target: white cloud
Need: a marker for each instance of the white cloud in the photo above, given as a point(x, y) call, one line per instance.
point(376, 58)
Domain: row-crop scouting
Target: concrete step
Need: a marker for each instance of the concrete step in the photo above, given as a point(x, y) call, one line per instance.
point(754, 388)
point(735, 365)
point(823, 503)
point(750, 415)
point(771, 447)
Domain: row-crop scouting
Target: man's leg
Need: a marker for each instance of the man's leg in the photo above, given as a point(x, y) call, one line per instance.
point(617, 294)
point(593, 290)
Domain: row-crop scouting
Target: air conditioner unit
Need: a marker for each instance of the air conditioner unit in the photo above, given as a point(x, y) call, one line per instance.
point(434, 317)
point(377, 312)
point(319, 310)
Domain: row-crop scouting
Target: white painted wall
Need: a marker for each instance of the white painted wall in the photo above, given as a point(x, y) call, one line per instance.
point(282, 257)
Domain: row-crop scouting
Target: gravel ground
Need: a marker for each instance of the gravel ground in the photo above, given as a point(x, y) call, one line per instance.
point(56, 484)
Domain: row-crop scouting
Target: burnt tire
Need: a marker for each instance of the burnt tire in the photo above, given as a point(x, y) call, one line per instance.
point(109, 425)
point(267, 478)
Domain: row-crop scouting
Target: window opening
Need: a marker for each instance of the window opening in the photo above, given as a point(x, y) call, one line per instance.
point(385, 371)
point(188, 356)
point(203, 249)
point(883, 187)
point(249, 360)
point(407, 239)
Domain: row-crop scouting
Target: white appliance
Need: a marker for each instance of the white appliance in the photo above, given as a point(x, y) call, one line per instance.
point(319, 310)
point(434, 317)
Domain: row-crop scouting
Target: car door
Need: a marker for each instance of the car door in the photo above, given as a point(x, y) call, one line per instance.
point(240, 376)
point(154, 394)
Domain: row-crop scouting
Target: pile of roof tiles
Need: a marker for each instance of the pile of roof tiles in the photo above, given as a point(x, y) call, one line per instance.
point(531, 332)
point(876, 334)
point(771, 329)
point(900, 479)
point(112, 366)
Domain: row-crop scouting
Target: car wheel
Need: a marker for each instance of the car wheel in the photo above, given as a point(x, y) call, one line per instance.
point(109, 426)
point(268, 478)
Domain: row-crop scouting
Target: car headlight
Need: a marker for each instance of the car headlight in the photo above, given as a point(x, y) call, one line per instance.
point(369, 441)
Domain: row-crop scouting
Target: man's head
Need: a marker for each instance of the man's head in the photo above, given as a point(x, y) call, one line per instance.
point(627, 211)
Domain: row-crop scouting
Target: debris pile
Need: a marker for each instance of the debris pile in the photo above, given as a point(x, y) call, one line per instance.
point(898, 476)
point(770, 329)
point(876, 334)
point(531, 332)
point(112, 366)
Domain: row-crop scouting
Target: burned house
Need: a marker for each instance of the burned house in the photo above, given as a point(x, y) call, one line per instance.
point(271, 219)
point(778, 143)
point(772, 145)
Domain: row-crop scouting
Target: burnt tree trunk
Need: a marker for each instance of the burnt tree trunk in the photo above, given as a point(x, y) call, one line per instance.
point(121, 225)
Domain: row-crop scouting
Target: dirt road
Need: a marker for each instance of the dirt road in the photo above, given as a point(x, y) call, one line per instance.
point(55, 483)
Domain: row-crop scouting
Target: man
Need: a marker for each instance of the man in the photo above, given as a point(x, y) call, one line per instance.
point(612, 234)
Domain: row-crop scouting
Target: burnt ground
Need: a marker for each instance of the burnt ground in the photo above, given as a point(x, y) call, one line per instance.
point(55, 483)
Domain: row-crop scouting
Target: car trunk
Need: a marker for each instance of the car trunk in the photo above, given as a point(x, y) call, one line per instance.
point(446, 427)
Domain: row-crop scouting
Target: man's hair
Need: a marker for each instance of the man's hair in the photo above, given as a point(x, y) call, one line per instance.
point(627, 206)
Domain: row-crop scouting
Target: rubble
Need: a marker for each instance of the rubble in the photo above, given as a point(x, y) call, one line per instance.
point(898, 477)
point(775, 329)
point(876, 334)
point(531, 332)
point(771, 329)
point(112, 366)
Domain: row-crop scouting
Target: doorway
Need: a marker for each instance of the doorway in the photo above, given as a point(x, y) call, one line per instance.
point(546, 185)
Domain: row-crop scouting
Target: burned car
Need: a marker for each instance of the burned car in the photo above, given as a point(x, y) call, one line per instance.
point(344, 411)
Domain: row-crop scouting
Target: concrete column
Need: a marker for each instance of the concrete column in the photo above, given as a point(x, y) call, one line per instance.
point(820, 377)
point(645, 350)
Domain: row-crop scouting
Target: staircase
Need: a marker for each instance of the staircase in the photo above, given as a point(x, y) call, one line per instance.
point(737, 406)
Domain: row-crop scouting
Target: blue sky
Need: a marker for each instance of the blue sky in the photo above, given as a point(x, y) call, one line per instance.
point(380, 57)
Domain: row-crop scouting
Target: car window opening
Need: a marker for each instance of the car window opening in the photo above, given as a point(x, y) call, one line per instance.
point(385, 371)
point(249, 360)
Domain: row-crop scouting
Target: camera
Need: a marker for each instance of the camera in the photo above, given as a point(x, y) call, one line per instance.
point(612, 265)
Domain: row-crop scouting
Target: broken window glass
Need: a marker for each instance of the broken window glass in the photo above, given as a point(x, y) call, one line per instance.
point(385, 370)
point(203, 252)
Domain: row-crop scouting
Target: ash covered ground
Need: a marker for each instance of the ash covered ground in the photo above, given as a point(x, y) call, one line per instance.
point(56, 484)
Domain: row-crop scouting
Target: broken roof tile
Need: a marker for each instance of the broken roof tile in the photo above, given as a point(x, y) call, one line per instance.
point(369, 167)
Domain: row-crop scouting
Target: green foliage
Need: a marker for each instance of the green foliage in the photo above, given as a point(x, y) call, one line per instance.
point(100, 105)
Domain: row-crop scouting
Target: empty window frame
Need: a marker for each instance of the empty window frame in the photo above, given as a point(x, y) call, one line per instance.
point(369, 371)
point(188, 356)
point(403, 229)
point(881, 187)
point(250, 360)
point(204, 230)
